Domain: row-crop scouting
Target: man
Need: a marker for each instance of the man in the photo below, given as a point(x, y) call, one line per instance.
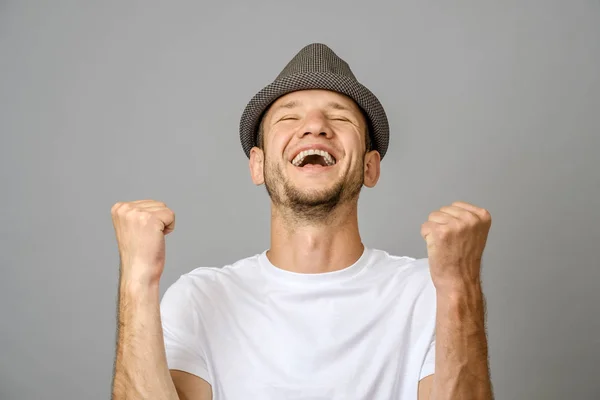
point(318, 315)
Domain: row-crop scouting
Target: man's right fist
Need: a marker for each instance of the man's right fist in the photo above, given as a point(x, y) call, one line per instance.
point(140, 227)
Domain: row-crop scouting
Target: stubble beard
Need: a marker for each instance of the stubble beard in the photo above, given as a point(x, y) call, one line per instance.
point(310, 206)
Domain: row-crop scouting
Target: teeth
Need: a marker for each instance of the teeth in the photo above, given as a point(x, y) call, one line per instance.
point(300, 157)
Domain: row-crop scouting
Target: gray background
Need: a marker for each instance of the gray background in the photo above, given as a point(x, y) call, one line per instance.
point(495, 103)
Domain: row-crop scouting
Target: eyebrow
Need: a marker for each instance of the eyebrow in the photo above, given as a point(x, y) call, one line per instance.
point(338, 106)
point(294, 103)
point(289, 104)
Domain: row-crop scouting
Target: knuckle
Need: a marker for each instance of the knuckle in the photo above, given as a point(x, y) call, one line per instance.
point(115, 207)
point(142, 216)
point(124, 209)
point(471, 219)
point(443, 231)
point(486, 215)
point(134, 215)
point(462, 225)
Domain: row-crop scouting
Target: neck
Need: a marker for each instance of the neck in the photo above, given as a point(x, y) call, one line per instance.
point(315, 247)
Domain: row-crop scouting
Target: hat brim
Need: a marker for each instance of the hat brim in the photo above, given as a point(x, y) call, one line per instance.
point(364, 98)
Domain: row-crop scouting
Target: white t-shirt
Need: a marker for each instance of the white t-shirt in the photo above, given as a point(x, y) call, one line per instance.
point(255, 331)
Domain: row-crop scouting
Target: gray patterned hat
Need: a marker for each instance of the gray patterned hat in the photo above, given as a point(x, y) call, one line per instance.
point(316, 66)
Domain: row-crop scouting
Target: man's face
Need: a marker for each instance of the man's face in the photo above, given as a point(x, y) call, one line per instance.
point(314, 152)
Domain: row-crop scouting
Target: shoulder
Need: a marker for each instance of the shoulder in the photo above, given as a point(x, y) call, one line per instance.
point(413, 269)
point(240, 269)
point(196, 286)
point(410, 274)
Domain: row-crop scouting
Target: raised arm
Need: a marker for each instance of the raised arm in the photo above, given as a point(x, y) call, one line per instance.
point(456, 236)
point(141, 370)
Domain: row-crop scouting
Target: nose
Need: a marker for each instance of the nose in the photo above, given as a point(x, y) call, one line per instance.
point(315, 124)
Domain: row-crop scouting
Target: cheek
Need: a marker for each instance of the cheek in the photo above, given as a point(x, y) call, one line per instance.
point(353, 147)
point(356, 163)
point(278, 143)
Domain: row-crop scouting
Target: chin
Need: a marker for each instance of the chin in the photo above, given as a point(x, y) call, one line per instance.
point(315, 187)
point(314, 193)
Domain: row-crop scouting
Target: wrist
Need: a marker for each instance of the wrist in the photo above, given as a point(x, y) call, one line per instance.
point(137, 285)
point(460, 291)
point(464, 305)
point(137, 276)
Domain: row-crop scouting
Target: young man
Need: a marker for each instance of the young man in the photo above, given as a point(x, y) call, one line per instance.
point(318, 315)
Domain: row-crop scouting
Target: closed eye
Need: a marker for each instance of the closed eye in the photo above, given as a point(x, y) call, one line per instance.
point(288, 118)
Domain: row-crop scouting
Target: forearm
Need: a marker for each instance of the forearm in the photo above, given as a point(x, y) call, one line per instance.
point(461, 368)
point(141, 370)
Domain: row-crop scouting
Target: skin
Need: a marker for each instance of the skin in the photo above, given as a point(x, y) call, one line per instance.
point(313, 217)
point(456, 236)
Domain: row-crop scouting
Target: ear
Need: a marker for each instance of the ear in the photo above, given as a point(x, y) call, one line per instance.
point(257, 165)
point(372, 168)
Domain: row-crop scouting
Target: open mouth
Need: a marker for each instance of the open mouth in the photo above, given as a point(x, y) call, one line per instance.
point(313, 157)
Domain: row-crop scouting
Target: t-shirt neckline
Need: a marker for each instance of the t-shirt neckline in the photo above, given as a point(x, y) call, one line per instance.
point(280, 274)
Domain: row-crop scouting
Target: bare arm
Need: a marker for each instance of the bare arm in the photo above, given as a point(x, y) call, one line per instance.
point(191, 387)
point(425, 386)
point(141, 370)
point(456, 236)
point(462, 370)
point(461, 364)
point(141, 367)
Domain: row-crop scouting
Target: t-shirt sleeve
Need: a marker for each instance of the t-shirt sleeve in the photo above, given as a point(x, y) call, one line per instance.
point(182, 330)
point(428, 367)
point(428, 310)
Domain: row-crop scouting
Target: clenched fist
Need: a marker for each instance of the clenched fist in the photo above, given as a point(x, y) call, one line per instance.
point(456, 236)
point(140, 227)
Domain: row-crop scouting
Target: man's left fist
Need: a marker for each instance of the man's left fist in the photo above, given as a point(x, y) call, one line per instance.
point(456, 236)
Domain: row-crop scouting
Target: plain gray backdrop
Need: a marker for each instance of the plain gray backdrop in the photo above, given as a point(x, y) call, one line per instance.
point(494, 103)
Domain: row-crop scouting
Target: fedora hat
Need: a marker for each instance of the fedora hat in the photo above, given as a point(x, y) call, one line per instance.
point(316, 66)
